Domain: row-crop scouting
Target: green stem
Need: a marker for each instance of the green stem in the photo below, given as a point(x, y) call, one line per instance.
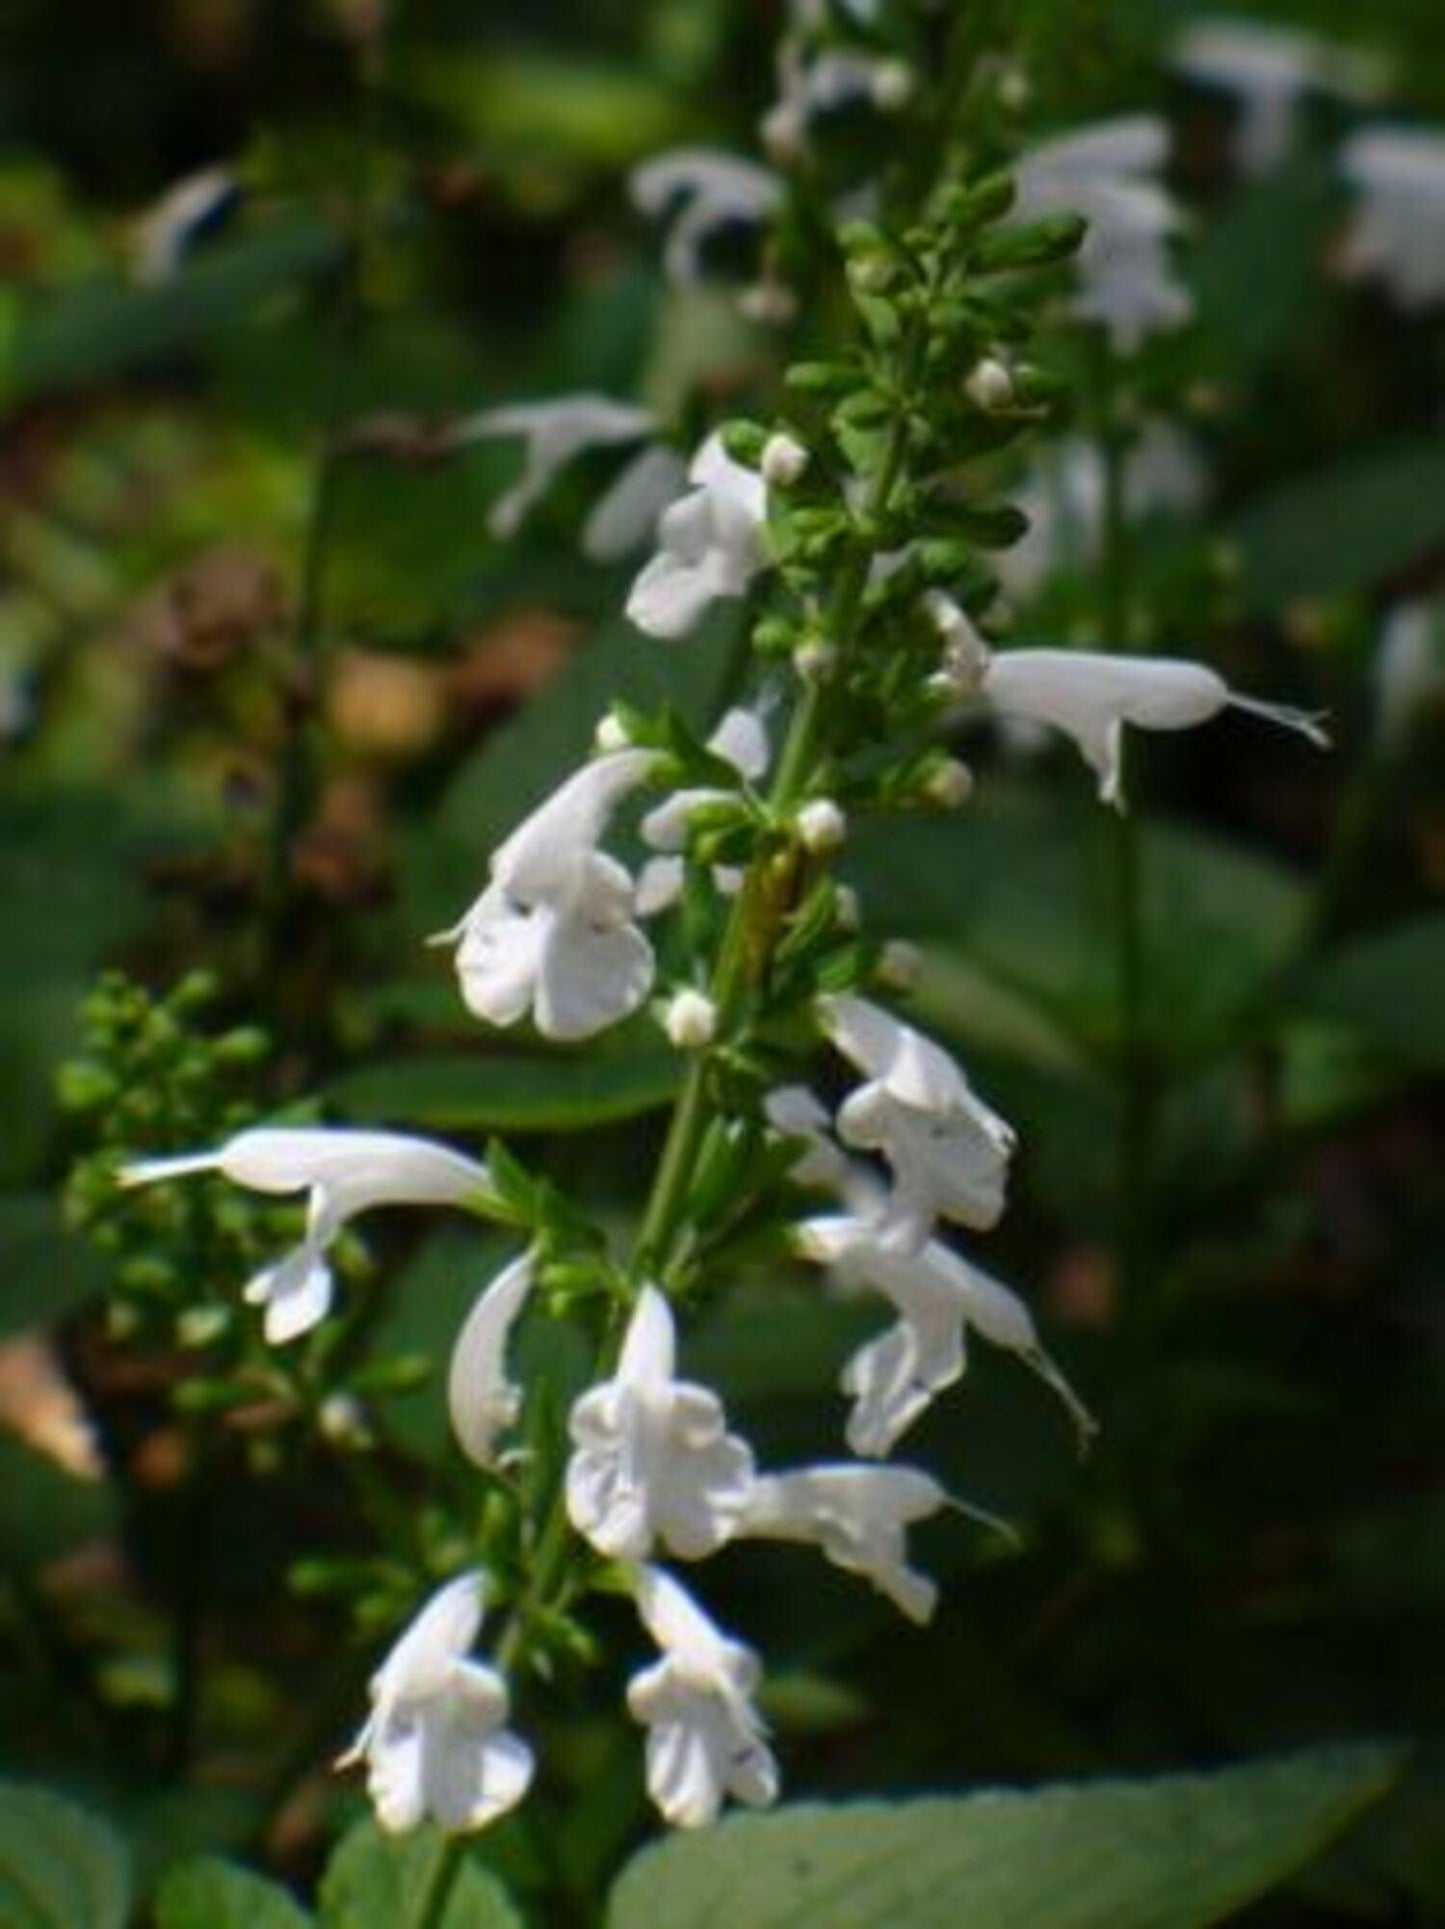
point(428, 1904)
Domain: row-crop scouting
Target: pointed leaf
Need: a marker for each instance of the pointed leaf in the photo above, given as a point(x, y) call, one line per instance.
point(211, 1894)
point(59, 1867)
point(374, 1881)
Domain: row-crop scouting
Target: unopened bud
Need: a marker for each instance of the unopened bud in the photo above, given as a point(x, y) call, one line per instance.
point(342, 1420)
point(949, 784)
point(783, 134)
point(900, 965)
point(770, 302)
point(990, 386)
point(870, 274)
point(815, 658)
point(691, 1021)
point(610, 734)
point(891, 86)
point(822, 826)
point(965, 654)
point(847, 908)
point(784, 460)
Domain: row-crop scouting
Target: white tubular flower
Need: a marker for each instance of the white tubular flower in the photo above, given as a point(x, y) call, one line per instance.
point(1398, 232)
point(190, 208)
point(624, 516)
point(710, 544)
point(705, 1741)
point(435, 1742)
point(859, 1517)
point(343, 1172)
point(949, 1152)
point(554, 432)
point(1092, 696)
point(1268, 72)
point(654, 1464)
point(553, 932)
point(1409, 668)
point(710, 190)
point(482, 1401)
point(741, 739)
point(938, 1297)
point(1109, 174)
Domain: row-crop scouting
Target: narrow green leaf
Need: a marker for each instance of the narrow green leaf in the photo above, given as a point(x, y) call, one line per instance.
point(59, 1867)
point(374, 1881)
point(1178, 1852)
point(211, 1894)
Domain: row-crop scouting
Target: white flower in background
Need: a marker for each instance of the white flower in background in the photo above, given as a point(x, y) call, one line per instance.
point(343, 1172)
point(482, 1400)
point(710, 544)
point(553, 931)
point(1092, 696)
point(705, 1741)
point(1409, 667)
point(858, 1517)
point(653, 1462)
point(1064, 493)
point(190, 209)
point(555, 432)
point(938, 1297)
point(741, 739)
point(1268, 72)
point(704, 190)
point(827, 82)
point(435, 1743)
point(1397, 234)
point(949, 1152)
point(1110, 174)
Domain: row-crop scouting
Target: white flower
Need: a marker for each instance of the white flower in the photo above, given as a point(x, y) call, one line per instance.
point(1092, 696)
point(189, 208)
point(1409, 667)
point(1109, 173)
point(710, 544)
point(949, 1152)
point(858, 1517)
point(710, 190)
point(343, 1172)
point(654, 1464)
point(1398, 232)
point(705, 1740)
point(482, 1401)
point(556, 431)
point(938, 1297)
point(1268, 71)
point(741, 739)
point(435, 1742)
point(1064, 500)
point(828, 82)
point(553, 930)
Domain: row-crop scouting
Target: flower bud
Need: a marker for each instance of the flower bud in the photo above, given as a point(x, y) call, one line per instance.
point(769, 302)
point(691, 1021)
point(610, 734)
point(783, 461)
point(949, 784)
point(847, 908)
point(900, 965)
point(815, 658)
point(990, 385)
point(965, 654)
point(892, 86)
point(821, 826)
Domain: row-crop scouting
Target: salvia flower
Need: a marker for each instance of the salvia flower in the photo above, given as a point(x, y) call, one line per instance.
point(343, 1172)
point(703, 190)
point(436, 1743)
point(710, 545)
point(948, 1150)
point(653, 1462)
point(557, 430)
point(938, 1297)
point(553, 932)
point(1397, 235)
point(705, 1741)
point(189, 210)
point(858, 1517)
point(741, 739)
point(1091, 696)
point(482, 1400)
point(1268, 72)
point(1110, 174)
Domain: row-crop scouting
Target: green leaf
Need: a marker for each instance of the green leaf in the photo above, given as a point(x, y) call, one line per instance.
point(44, 1511)
point(211, 1894)
point(374, 1880)
point(499, 1092)
point(44, 1271)
point(1342, 528)
point(1178, 1852)
point(1388, 987)
point(59, 1867)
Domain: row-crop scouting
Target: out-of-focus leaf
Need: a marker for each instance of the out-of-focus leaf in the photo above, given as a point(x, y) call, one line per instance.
point(779, 1342)
point(211, 1894)
point(1253, 268)
point(44, 1271)
point(59, 1867)
point(560, 112)
point(1391, 987)
point(498, 1092)
point(374, 1880)
point(45, 1512)
point(1341, 528)
point(1181, 1850)
point(91, 332)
